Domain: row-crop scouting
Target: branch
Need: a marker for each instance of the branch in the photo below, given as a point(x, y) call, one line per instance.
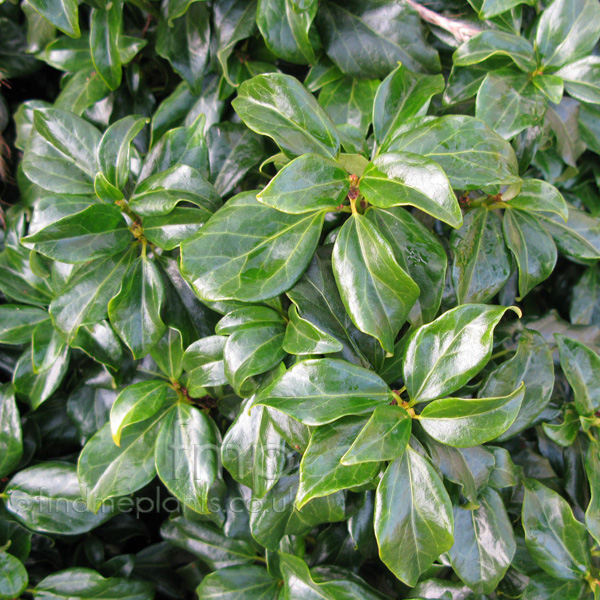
point(461, 30)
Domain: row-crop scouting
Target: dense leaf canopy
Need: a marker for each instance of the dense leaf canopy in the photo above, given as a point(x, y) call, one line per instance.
point(300, 299)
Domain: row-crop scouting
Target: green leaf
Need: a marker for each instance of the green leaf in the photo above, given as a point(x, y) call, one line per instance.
point(186, 455)
point(565, 433)
point(136, 403)
point(319, 391)
point(567, 30)
point(401, 96)
point(38, 387)
point(402, 178)
point(564, 122)
point(592, 513)
point(63, 14)
point(580, 366)
point(464, 423)
point(84, 299)
point(242, 582)
point(555, 539)
point(203, 361)
point(207, 542)
point(532, 246)
point(114, 149)
point(185, 43)
point(582, 79)
point(384, 437)
point(106, 470)
point(105, 29)
point(349, 101)
point(95, 232)
point(135, 311)
point(369, 39)
point(585, 304)
point(579, 238)
point(233, 151)
point(300, 584)
point(168, 354)
point(252, 351)
point(481, 264)
point(286, 30)
point(13, 576)
point(496, 43)
point(57, 127)
point(444, 355)
point(169, 231)
point(318, 301)
point(492, 8)
point(308, 183)
point(46, 498)
point(303, 337)
point(413, 517)
point(377, 293)
point(419, 253)
point(11, 434)
point(321, 472)
point(532, 365)
point(234, 20)
point(253, 451)
point(551, 86)
point(81, 584)
point(544, 587)
point(221, 262)
point(160, 193)
point(47, 345)
point(508, 102)
point(484, 543)
point(17, 322)
point(279, 106)
point(536, 195)
point(471, 154)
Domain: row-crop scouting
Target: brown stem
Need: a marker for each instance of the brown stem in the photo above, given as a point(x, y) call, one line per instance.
point(461, 30)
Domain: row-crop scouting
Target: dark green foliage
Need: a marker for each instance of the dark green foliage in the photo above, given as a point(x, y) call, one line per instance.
point(300, 299)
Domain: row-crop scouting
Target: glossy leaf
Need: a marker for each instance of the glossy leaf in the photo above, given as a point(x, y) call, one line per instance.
point(303, 337)
point(11, 434)
point(186, 455)
point(95, 232)
point(280, 107)
point(221, 261)
point(580, 366)
point(555, 539)
point(582, 79)
point(533, 365)
point(80, 583)
point(567, 30)
point(384, 437)
point(381, 35)
point(464, 423)
point(203, 361)
point(377, 293)
point(484, 543)
point(321, 472)
point(319, 391)
point(105, 28)
point(136, 403)
point(536, 195)
point(13, 576)
point(401, 96)
point(401, 178)
point(243, 582)
point(308, 183)
point(17, 322)
point(481, 262)
point(442, 356)
point(46, 498)
point(470, 153)
point(413, 517)
point(533, 249)
point(62, 14)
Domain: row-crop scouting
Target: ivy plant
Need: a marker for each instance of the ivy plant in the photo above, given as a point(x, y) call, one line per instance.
point(300, 300)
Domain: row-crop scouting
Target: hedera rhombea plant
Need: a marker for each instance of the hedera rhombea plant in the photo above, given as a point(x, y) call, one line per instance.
point(300, 300)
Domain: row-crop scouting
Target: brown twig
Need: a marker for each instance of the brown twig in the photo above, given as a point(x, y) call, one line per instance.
point(461, 30)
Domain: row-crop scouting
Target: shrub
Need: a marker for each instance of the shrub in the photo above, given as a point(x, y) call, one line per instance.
point(300, 299)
